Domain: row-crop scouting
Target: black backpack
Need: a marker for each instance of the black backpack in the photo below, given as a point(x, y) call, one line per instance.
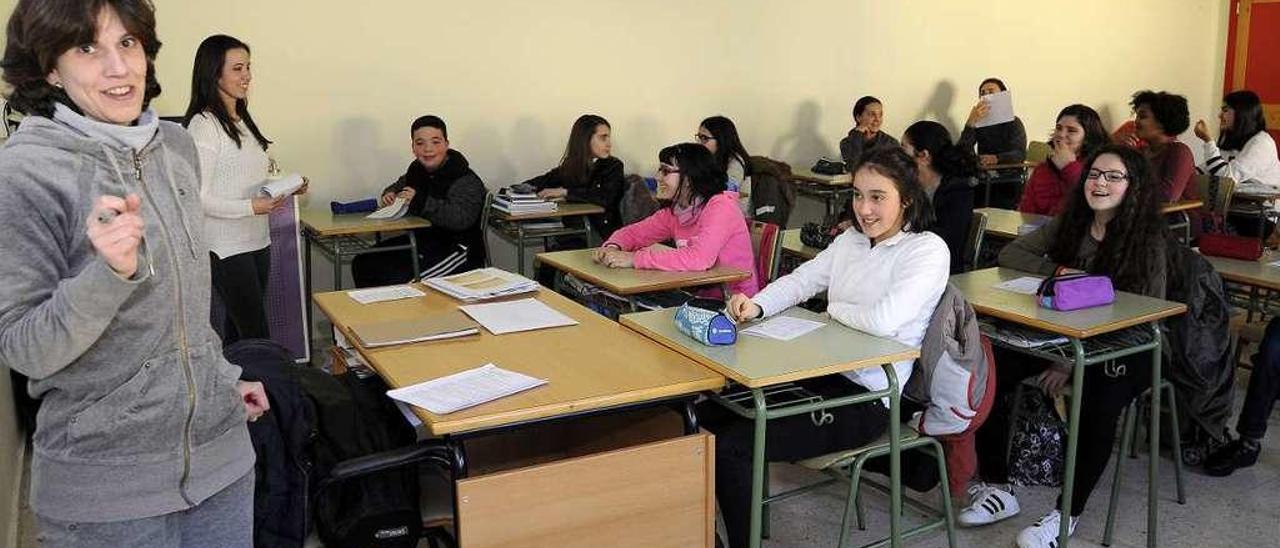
point(355, 418)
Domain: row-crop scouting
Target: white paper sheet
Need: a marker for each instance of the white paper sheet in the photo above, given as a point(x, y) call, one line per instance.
point(1026, 285)
point(1001, 111)
point(465, 389)
point(783, 328)
point(388, 293)
point(513, 316)
point(395, 210)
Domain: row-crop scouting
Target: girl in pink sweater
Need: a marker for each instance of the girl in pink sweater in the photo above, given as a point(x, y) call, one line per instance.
point(700, 216)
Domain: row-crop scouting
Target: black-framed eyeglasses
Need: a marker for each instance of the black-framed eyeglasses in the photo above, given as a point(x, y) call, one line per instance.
point(1111, 176)
point(664, 170)
point(704, 138)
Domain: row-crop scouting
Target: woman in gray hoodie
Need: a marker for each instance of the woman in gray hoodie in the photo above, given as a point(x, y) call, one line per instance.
point(141, 437)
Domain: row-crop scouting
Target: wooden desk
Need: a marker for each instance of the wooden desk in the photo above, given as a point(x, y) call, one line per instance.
point(593, 367)
point(341, 237)
point(759, 363)
point(629, 282)
point(1004, 223)
point(513, 227)
point(1259, 275)
point(831, 190)
point(1129, 310)
point(808, 176)
point(1181, 205)
point(791, 245)
point(1015, 172)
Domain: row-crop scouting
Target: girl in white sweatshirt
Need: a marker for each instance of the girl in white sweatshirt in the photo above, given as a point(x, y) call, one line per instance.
point(884, 277)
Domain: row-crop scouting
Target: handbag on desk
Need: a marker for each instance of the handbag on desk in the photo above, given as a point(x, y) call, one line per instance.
point(828, 167)
point(1231, 246)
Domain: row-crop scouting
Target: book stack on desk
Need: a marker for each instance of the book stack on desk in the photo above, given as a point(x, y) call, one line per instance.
point(521, 201)
point(482, 284)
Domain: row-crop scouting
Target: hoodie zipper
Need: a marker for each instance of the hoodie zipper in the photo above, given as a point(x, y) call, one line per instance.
point(182, 341)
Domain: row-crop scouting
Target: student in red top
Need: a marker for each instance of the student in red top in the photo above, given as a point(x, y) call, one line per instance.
point(1077, 134)
point(1159, 117)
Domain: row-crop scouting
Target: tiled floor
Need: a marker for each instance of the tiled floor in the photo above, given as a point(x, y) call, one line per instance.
point(1242, 510)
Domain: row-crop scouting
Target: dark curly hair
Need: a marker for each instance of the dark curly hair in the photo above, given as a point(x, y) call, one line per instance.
point(1136, 237)
point(40, 31)
point(895, 164)
point(1169, 110)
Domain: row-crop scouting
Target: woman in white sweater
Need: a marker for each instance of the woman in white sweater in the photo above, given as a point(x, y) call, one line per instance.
point(883, 277)
point(1244, 150)
point(233, 167)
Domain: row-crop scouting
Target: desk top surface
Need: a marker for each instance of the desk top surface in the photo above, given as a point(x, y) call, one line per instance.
point(596, 364)
point(563, 209)
point(791, 244)
point(1128, 310)
point(1259, 273)
point(1013, 165)
point(807, 175)
point(1181, 205)
point(324, 223)
point(757, 361)
point(1005, 222)
point(632, 281)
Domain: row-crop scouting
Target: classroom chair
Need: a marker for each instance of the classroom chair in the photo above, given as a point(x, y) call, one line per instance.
point(484, 227)
point(1038, 151)
point(973, 244)
point(766, 243)
point(847, 466)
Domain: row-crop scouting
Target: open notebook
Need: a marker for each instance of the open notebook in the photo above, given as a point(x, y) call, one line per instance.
point(444, 325)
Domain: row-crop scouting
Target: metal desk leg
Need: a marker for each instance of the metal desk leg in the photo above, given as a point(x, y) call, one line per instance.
point(986, 191)
point(895, 458)
point(519, 248)
point(337, 264)
point(413, 256)
point(1073, 438)
point(758, 468)
point(1153, 460)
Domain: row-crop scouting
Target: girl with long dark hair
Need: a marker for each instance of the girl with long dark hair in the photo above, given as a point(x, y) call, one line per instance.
point(1244, 150)
point(720, 136)
point(233, 167)
point(1111, 226)
point(588, 173)
point(947, 172)
point(1077, 133)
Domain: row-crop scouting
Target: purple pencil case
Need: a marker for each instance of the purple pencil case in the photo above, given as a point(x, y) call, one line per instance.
point(1075, 291)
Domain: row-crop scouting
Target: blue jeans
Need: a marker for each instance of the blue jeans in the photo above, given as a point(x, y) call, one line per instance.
point(224, 520)
point(1264, 385)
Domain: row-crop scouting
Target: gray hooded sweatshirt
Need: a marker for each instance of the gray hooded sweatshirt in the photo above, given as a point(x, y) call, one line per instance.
point(140, 416)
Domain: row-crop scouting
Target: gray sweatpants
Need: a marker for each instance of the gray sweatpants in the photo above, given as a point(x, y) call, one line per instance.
point(224, 520)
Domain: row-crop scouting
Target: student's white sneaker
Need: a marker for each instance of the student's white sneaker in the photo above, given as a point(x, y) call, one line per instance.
point(1044, 534)
point(988, 504)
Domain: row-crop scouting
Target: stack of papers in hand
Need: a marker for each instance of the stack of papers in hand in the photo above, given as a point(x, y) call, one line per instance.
point(283, 186)
point(395, 210)
point(516, 202)
point(782, 328)
point(482, 284)
point(519, 315)
point(466, 389)
point(445, 325)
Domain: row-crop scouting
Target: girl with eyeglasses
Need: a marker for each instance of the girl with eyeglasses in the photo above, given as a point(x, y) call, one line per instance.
point(1111, 226)
point(1076, 134)
point(587, 173)
point(700, 215)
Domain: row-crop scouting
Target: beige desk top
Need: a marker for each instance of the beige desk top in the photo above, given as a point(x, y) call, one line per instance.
point(593, 365)
point(1015, 165)
point(808, 176)
point(632, 281)
point(1181, 205)
point(1258, 273)
point(791, 244)
point(757, 362)
point(1005, 222)
point(1128, 310)
point(325, 224)
point(564, 209)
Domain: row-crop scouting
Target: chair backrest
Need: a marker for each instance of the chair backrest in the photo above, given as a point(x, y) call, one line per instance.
point(766, 243)
point(1038, 151)
point(638, 201)
point(973, 244)
point(484, 226)
point(1216, 200)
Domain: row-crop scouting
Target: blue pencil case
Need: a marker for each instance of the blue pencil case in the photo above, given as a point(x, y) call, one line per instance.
point(709, 327)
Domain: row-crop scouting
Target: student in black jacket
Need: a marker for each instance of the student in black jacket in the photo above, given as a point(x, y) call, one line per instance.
point(947, 173)
point(587, 173)
point(440, 187)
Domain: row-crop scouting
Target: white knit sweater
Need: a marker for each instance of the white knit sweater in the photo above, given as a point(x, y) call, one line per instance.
point(229, 178)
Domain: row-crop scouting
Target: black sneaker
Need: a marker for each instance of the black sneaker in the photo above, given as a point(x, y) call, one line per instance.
point(1235, 454)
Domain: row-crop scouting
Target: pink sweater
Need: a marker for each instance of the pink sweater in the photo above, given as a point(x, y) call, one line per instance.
point(717, 236)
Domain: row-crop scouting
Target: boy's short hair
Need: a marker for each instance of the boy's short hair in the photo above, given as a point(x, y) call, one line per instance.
point(430, 120)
